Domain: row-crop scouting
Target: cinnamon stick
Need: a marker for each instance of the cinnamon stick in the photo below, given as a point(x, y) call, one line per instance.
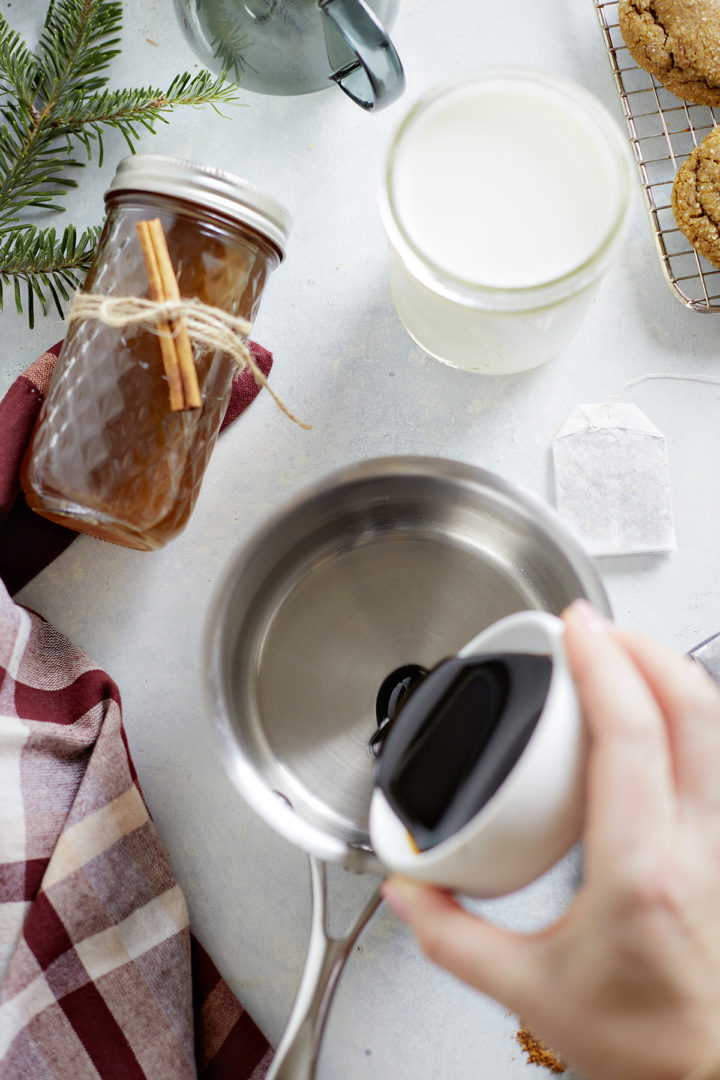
point(188, 371)
point(175, 347)
point(167, 342)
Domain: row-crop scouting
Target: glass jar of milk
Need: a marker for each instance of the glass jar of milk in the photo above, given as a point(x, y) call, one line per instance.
point(505, 199)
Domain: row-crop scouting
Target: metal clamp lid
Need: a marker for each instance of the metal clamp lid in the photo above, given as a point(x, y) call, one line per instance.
point(209, 187)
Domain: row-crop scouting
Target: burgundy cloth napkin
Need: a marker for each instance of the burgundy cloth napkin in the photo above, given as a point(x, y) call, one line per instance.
point(100, 977)
point(28, 542)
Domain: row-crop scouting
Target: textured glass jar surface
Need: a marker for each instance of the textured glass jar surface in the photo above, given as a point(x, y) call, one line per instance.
point(480, 340)
point(108, 456)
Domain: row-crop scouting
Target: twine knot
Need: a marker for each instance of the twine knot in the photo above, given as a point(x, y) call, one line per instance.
point(208, 327)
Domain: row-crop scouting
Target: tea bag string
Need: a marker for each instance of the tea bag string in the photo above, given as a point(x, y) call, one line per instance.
point(614, 398)
point(208, 327)
point(662, 375)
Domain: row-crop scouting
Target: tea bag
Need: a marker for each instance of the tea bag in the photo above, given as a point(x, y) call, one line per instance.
point(612, 480)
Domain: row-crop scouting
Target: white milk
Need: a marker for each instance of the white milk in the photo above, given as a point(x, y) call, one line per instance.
point(505, 200)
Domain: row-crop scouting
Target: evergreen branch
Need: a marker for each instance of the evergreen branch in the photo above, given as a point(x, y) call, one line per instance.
point(202, 89)
point(29, 170)
point(18, 68)
point(48, 266)
point(76, 45)
point(84, 117)
point(50, 103)
point(115, 108)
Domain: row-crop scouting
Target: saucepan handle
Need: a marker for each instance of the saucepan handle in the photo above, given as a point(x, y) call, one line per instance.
point(297, 1053)
point(376, 78)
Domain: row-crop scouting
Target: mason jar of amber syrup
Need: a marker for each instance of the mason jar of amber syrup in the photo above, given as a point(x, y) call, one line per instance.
point(109, 456)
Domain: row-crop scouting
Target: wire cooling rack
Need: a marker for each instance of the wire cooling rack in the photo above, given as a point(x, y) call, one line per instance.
point(663, 132)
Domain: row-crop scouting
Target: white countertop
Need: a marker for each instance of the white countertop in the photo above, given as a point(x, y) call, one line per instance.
point(344, 363)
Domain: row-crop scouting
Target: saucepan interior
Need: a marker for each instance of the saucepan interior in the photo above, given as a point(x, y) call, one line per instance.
point(393, 562)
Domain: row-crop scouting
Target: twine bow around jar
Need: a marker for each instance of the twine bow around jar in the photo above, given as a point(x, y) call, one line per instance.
point(208, 327)
point(176, 321)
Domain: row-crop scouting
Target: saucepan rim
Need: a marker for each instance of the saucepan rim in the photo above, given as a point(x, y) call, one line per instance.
point(270, 805)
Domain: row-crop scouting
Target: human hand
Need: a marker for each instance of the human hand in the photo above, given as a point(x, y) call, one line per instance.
point(626, 984)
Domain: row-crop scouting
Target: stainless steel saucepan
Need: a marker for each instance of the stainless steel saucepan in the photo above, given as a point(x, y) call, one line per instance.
point(389, 563)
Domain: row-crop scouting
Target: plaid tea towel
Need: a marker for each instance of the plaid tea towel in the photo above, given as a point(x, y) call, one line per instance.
point(100, 977)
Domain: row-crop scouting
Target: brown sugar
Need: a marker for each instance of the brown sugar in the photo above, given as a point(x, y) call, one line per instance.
point(538, 1053)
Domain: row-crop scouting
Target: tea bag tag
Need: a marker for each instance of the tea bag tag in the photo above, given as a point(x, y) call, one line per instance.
point(612, 480)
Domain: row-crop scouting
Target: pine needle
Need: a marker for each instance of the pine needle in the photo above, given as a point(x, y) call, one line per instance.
point(52, 103)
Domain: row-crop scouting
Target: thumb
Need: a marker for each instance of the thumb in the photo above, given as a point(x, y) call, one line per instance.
point(495, 961)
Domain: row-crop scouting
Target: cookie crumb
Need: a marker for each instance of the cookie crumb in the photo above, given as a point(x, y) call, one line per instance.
point(537, 1053)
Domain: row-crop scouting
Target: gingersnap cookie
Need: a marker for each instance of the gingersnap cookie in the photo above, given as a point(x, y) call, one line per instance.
point(677, 41)
point(696, 198)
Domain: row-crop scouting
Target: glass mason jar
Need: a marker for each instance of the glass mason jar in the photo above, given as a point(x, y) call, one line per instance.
point(108, 457)
point(504, 200)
